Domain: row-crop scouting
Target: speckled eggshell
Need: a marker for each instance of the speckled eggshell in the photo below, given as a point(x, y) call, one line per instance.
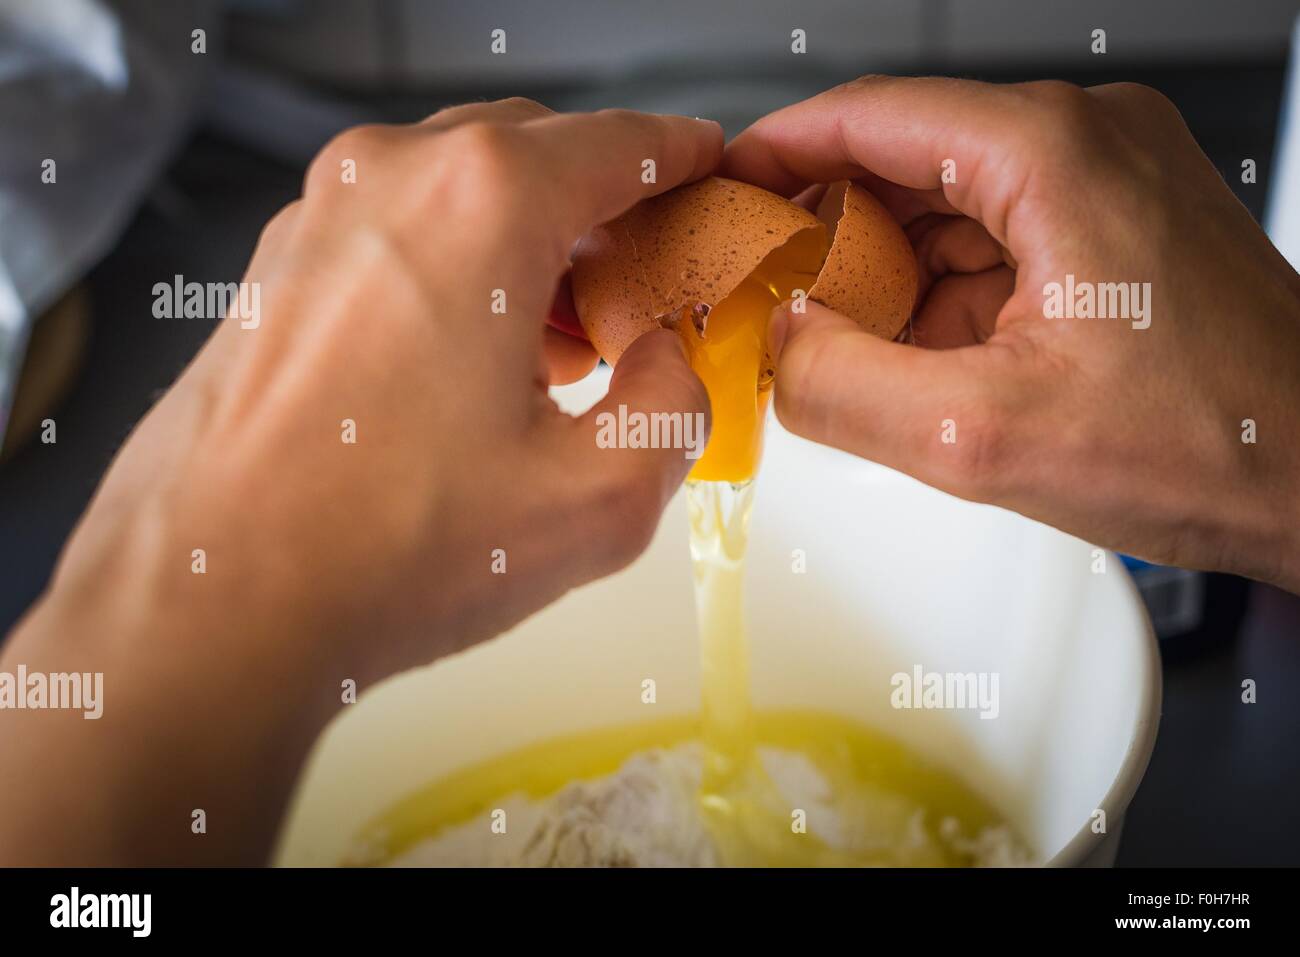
point(694, 244)
point(870, 274)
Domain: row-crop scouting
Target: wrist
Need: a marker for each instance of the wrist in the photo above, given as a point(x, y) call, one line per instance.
point(200, 709)
point(1287, 561)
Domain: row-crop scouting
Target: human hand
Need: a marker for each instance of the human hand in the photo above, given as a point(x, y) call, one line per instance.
point(379, 299)
point(1129, 432)
point(466, 502)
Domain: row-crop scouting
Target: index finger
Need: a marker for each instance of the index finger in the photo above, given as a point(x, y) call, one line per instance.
point(596, 166)
point(907, 130)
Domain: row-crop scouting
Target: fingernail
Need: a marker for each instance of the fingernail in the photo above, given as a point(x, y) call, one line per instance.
point(777, 326)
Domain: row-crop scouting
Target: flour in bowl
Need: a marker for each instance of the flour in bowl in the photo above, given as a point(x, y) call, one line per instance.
point(648, 814)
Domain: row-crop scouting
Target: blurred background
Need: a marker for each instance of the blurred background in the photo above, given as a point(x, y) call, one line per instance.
point(178, 127)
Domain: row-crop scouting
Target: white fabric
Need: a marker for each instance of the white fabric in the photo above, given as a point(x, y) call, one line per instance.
point(104, 89)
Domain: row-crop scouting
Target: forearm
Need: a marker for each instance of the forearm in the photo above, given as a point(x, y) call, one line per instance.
point(204, 712)
point(1260, 410)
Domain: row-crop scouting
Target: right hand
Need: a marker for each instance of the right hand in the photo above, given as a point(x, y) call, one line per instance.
point(1128, 437)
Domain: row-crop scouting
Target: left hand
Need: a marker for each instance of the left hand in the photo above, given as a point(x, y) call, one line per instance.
point(328, 560)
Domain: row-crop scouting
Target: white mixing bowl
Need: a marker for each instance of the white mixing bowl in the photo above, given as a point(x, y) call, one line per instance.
point(897, 576)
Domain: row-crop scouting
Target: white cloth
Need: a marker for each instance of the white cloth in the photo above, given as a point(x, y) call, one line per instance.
point(1283, 218)
point(104, 88)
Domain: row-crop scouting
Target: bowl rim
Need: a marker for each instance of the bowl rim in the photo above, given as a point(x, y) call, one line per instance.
point(1122, 789)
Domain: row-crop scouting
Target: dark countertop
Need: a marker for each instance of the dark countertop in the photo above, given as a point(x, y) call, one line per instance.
point(1223, 783)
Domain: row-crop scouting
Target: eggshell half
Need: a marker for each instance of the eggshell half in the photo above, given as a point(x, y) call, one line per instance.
point(697, 243)
point(694, 244)
point(870, 274)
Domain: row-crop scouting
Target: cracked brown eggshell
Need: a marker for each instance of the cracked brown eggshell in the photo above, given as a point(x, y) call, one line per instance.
point(697, 243)
point(870, 274)
point(694, 244)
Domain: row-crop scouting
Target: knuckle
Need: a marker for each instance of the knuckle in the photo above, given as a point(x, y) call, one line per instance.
point(482, 166)
point(651, 130)
point(1056, 92)
point(1146, 97)
point(627, 117)
point(638, 531)
point(680, 381)
point(805, 387)
point(790, 397)
point(445, 114)
point(525, 104)
point(275, 228)
point(628, 500)
point(1060, 120)
point(863, 82)
point(513, 107)
point(361, 144)
point(1061, 107)
point(978, 461)
point(485, 155)
point(1146, 113)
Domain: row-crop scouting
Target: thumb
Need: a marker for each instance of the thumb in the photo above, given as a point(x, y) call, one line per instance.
point(924, 412)
point(634, 448)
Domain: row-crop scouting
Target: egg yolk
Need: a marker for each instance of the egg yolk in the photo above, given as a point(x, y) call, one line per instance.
point(730, 356)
